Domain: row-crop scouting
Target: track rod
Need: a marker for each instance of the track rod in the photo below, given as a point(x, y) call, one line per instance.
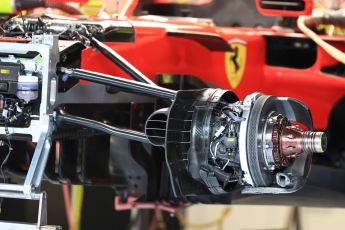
point(120, 61)
point(120, 83)
point(63, 116)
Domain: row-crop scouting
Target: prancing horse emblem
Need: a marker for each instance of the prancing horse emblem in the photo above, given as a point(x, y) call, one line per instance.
point(235, 62)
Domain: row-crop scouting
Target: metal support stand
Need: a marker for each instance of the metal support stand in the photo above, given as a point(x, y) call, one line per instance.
point(30, 189)
point(41, 219)
point(39, 129)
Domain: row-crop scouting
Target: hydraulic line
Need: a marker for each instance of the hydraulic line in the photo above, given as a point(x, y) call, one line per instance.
point(62, 116)
point(120, 61)
point(120, 83)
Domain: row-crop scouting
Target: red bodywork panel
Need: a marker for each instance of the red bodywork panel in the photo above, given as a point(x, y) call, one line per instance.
point(155, 52)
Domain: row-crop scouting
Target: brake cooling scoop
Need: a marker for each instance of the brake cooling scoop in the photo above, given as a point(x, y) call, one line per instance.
point(214, 142)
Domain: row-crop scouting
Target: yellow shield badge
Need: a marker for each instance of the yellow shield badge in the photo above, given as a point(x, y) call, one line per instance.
point(235, 62)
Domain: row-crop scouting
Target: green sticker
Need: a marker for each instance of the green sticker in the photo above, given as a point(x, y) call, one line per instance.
point(38, 59)
point(231, 139)
point(167, 79)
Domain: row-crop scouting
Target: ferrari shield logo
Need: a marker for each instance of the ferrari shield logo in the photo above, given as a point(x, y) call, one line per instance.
point(235, 62)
